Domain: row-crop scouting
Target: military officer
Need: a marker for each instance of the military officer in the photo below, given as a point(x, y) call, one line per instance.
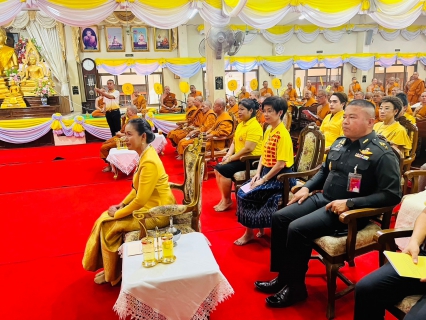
point(360, 171)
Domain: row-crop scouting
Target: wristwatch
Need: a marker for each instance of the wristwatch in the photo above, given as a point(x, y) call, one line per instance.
point(350, 204)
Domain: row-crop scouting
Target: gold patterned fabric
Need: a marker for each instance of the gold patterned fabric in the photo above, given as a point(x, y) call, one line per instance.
point(336, 246)
point(408, 302)
point(308, 153)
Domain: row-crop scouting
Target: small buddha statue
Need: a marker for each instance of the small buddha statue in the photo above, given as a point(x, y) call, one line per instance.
point(14, 98)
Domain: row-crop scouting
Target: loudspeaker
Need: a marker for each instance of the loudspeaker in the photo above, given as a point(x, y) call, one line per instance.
point(368, 37)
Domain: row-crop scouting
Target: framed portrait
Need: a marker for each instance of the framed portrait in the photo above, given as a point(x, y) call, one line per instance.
point(115, 39)
point(12, 39)
point(139, 39)
point(354, 69)
point(89, 39)
point(162, 39)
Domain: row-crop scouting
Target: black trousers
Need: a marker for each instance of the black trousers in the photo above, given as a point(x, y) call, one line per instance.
point(293, 230)
point(384, 287)
point(114, 121)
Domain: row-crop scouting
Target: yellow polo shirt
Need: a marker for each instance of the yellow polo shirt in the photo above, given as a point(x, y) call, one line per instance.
point(410, 118)
point(277, 146)
point(332, 127)
point(249, 131)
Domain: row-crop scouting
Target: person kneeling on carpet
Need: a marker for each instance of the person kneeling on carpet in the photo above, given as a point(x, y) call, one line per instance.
point(256, 205)
point(132, 113)
point(150, 189)
point(247, 141)
point(308, 217)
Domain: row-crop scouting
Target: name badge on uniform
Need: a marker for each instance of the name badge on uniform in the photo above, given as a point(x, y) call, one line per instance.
point(354, 181)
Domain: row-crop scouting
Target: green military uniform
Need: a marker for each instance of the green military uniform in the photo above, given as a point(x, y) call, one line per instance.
point(295, 227)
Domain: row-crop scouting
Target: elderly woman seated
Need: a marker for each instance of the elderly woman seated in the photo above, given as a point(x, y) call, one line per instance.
point(260, 196)
point(391, 129)
point(247, 141)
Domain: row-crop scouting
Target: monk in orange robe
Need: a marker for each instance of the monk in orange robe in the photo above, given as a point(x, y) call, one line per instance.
point(207, 122)
point(194, 93)
point(184, 127)
point(416, 89)
point(380, 86)
point(420, 112)
point(232, 108)
point(337, 87)
point(391, 87)
point(354, 87)
point(373, 86)
point(324, 107)
point(377, 100)
point(243, 94)
point(311, 88)
point(309, 99)
point(100, 106)
point(265, 90)
point(221, 128)
point(168, 102)
point(291, 92)
point(140, 103)
point(131, 113)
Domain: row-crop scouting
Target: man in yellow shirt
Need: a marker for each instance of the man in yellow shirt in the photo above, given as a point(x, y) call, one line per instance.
point(265, 89)
point(194, 93)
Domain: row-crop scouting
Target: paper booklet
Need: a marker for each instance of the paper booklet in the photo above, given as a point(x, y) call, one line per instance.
point(404, 265)
point(246, 187)
point(309, 114)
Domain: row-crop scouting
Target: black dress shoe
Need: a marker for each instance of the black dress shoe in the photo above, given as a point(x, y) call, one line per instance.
point(272, 286)
point(287, 296)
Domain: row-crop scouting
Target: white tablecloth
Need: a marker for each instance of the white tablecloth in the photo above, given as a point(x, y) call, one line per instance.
point(189, 288)
point(126, 160)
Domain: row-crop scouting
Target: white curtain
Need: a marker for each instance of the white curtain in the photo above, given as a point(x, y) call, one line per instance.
point(43, 30)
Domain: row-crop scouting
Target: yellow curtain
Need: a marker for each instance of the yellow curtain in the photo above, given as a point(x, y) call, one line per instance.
point(79, 4)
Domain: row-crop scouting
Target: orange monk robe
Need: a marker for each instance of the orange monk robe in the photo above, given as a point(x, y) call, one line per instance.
point(179, 133)
point(244, 95)
point(310, 102)
point(339, 89)
point(222, 128)
point(260, 117)
point(313, 90)
point(381, 88)
point(111, 143)
point(234, 111)
point(140, 103)
point(416, 89)
point(322, 112)
point(292, 94)
point(196, 94)
point(372, 87)
point(207, 122)
point(377, 111)
point(168, 101)
point(264, 91)
point(421, 114)
point(395, 85)
point(355, 88)
point(99, 102)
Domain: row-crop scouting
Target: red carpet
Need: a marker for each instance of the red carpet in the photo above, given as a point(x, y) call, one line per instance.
point(48, 209)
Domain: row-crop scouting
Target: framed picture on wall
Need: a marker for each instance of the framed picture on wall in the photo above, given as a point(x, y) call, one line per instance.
point(12, 39)
point(354, 69)
point(162, 39)
point(115, 39)
point(139, 39)
point(89, 39)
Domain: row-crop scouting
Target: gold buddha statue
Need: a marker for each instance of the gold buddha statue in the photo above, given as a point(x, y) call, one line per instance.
point(33, 71)
point(13, 99)
point(8, 60)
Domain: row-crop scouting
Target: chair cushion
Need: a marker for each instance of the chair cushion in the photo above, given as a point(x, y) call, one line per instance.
point(336, 246)
point(241, 175)
point(408, 302)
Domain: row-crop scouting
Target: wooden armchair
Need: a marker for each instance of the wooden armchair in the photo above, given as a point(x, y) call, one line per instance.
point(308, 159)
point(413, 134)
point(213, 155)
point(287, 120)
point(334, 252)
point(386, 240)
point(186, 216)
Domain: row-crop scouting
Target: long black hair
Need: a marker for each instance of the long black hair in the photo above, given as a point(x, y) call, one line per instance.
point(142, 126)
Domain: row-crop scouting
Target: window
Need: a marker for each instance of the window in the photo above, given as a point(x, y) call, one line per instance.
point(141, 84)
point(397, 71)
point(315, 75)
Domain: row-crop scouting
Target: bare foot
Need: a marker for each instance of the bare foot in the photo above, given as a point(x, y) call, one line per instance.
point(179, 158)
point(261, 233)
point(106, 169)
point(100, 278)
point(224, 206)
point(247, 237)
point(219, 204)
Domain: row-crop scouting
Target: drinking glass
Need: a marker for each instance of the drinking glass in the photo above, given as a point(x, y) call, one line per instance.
point(148, 250)
point(167, 243)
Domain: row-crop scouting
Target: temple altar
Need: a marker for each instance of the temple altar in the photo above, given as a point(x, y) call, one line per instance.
point(34, 109)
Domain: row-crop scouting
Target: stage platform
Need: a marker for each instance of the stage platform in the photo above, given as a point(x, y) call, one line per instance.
point(37, 131)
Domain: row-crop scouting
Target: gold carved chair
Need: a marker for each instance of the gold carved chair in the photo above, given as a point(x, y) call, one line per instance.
point(334, 252)
point(287, 120)
point(213, 155)
point(386, 240)
point(413, 134)
point(186, 216)
point(307, 162)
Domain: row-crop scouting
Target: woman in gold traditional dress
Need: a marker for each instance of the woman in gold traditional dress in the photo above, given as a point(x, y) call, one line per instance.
point(150, 189)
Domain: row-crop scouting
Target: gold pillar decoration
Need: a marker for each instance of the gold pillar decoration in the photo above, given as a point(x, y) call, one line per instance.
point(175, 38)
point(61, 35)
point(76, 36)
